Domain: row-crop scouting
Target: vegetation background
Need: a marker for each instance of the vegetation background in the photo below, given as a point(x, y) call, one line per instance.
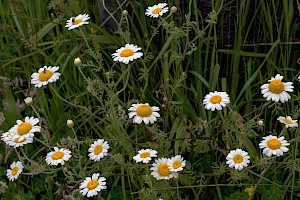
point(223, 45)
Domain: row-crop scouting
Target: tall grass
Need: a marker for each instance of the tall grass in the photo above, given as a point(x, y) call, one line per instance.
point(232, 46)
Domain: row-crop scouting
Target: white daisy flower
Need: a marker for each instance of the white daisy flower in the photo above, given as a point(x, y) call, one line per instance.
point(299, 78)
point(58, 156)
point(5, 137)
point(238, 159)
point(143, 112)
point(215, 100)
point(272, 145)
point(288, 121)
point(98, 150)
point(160, 169)
point(75, 22)
point(26, 128)
point(176, 163)
point(15, 170)
point(157, 10)
point(44, 76)
point(145, 155)
point(127, 53)
point(277, 90)
point(91, 186)
point(17, 142)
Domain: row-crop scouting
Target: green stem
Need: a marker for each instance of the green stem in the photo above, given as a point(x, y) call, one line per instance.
point(40, 122)
point(24, 154)
point(77, 144)
point(177, 190)
point(40, 141)
point(64, 100)
point(123, 183)
point(82, 74)
point(75, 135)
point(83, 36)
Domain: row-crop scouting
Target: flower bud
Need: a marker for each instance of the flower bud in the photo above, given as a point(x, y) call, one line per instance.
point(173, 9)
point(28, 101)
point(77, 62)
point(260, 122)
point(125, 13)
point(70, 123)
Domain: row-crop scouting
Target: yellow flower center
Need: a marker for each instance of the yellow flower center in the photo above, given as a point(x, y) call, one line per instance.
point(24, 128)
point(126, 53)
point(276, 86)
point(156, 10)
point(45, 75)
point(58, 155)
point(98, 149)
point(92, 184)
point(14, 170)
point(145, 155)
point(215, 99)
point(274, 144)
point(163, 169)
point(17, 140)
point(144, 110)
point(287, 121)
point(77, 21)
point(176, 164)
point(238, 159)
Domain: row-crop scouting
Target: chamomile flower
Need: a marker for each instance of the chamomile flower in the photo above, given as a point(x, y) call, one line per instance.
point(17, 142)
point(44, 76)
point(26, 128)
point(157, 10)
point(5, 137)
point(238, 159)
point(160, 169)
point(288, 121)
point(15, 170)
point(91, 186)
point(98, 150)
point(75, 22)
point(299, 78)
point(127, 53)
point(176, 163)
point(277, 90)
point(145, 155)
point(272, 145)
point(58, 156)
point(216, 100)
point(143, 112)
